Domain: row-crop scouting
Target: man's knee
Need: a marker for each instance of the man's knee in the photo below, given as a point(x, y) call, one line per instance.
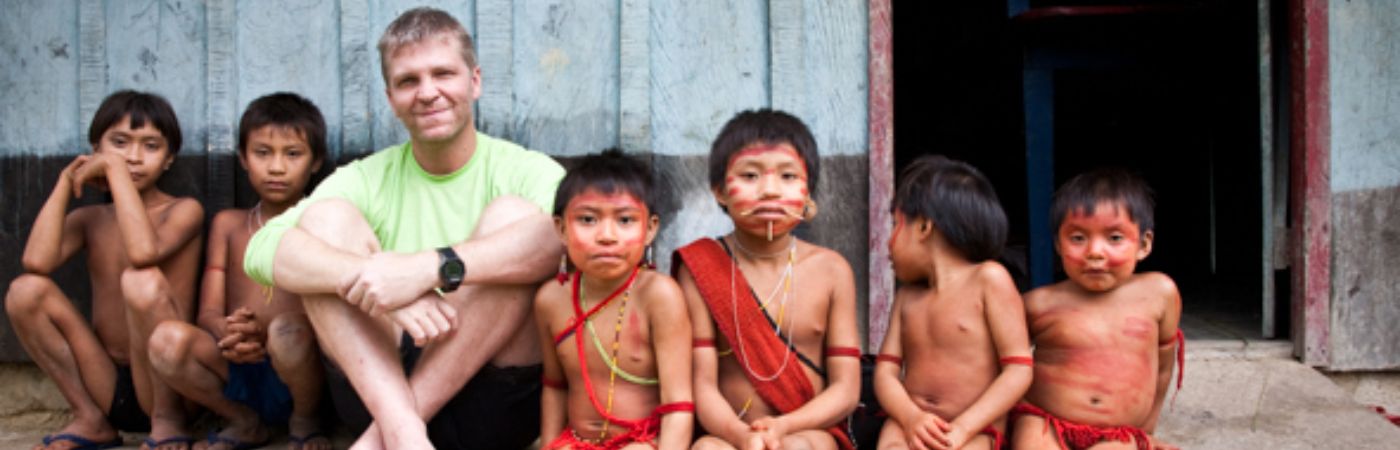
point(144, 288)
point(339, 223)
point(26, 294)
point(290, 340)
point(502, 212)
point(170, 345)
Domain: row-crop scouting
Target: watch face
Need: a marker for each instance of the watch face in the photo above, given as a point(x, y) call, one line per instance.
point(453, 269)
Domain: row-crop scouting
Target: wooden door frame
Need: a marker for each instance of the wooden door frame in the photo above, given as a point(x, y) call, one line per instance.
point(1310, 181)
point(881, 167)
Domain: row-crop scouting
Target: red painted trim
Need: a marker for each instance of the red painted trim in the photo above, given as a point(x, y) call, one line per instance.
point(881, 161)
point(1310, 185)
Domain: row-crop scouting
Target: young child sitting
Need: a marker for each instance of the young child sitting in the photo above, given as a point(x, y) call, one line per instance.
point(143, 257)
point(616, 336)
point(958, 327)
point(776, 357)
point(1104, 338)
point(253, 358)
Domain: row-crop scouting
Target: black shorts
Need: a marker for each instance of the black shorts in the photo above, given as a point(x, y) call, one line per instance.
point(499, 408)
point(125, 413)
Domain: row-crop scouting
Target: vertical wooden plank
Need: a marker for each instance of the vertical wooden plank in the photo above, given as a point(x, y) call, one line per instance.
point(1310, 194)
point(92, 59)
point(787, 67)
point(881, 125)
point(566, 75)
point(222, 97)
point(1266, 167)
point(358, 68)
point(40, 52)
point(1039, 106)
point(495, 47)
point(634, 76)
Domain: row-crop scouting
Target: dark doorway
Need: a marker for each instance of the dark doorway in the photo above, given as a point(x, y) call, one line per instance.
point(1169, 90)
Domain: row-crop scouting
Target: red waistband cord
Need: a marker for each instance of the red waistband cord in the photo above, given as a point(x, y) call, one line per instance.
point(850, 352)
point(898, 361)
point(1022, 360)
point(557, 384)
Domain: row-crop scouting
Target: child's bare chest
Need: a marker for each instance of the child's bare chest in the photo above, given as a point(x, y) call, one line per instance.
point(1081, 326)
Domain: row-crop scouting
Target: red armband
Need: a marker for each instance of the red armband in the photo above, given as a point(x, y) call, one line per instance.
point(889, 358)
point(1022, 360)
point(674, 407)
point(850, 352)
point(703, 343)
point(548, 382)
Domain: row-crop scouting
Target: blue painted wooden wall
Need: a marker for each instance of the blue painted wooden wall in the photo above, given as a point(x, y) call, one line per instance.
point(655, 77)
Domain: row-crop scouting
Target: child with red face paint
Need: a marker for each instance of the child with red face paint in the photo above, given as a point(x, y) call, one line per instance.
point(1104, 338)
point(956, 357)
point(615, 335)
point(776, 357)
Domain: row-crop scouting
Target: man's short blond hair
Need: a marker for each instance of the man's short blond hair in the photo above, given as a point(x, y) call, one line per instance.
point(418, 25)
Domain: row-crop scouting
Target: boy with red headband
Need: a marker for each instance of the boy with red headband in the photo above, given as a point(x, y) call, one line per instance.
point(614, 334)
point(776, 357)
point(1104, 338)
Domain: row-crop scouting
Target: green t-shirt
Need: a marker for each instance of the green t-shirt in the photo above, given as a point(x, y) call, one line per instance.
point(412, 210)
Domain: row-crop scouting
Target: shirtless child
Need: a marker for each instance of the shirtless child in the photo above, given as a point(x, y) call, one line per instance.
point(1104, 338)
point(959, 326)
point(252, 359)
point(774, 318)
point(616, 336)
point(143, 256)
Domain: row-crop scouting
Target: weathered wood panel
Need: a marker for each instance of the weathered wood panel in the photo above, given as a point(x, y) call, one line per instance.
point(40, 79)
point(1365, 279)
point(1365, 184)
point(569, 65)
point(656, 77)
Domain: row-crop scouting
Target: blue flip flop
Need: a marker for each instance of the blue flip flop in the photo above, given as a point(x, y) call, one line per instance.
point(153, 444)
point(215, 439)
point(81, 443)
point(299, 442)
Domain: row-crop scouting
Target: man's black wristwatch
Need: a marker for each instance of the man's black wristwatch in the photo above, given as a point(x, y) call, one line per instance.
point(451, 270)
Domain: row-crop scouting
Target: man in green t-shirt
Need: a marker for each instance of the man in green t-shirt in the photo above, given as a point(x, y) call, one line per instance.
point(380, 249)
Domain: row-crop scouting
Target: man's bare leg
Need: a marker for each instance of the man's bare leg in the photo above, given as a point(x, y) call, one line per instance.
point(364, 348)
point(149, 303)
point(493, 324)
point(59, 340)
point(189, 361)
point(291, 346)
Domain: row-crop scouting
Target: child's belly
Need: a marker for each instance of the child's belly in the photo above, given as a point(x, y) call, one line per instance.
point(1103, 387)
point(946, 386)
